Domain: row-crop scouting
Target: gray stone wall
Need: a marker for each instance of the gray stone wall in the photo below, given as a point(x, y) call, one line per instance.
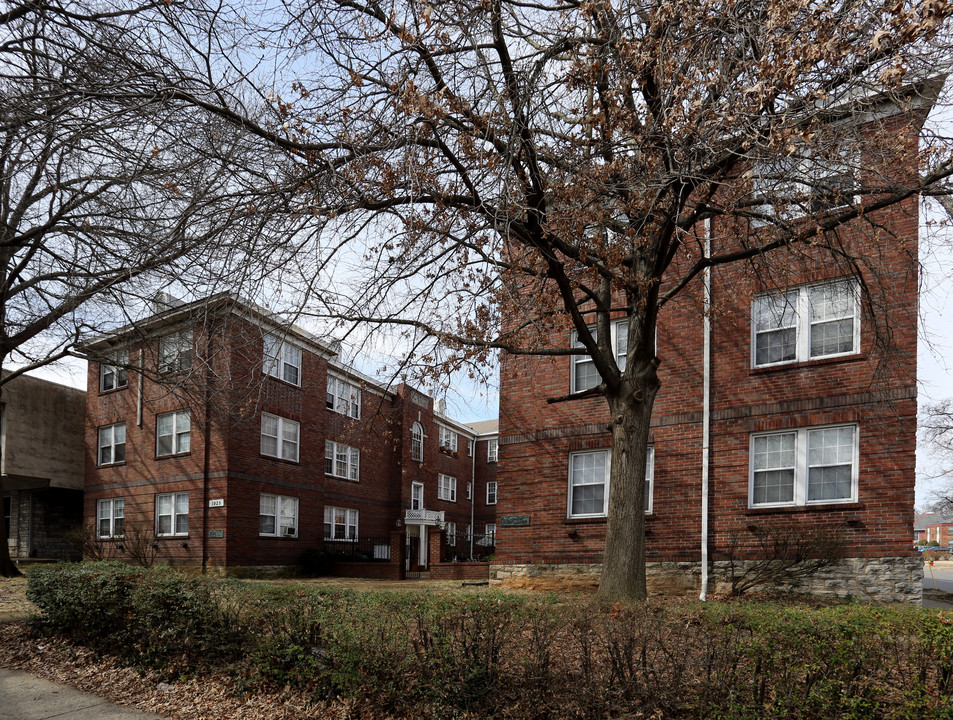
point(878, 580)
point(40, 521)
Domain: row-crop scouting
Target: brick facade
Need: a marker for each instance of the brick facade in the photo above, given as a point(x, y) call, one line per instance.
point(870, 391)
point(225, 473)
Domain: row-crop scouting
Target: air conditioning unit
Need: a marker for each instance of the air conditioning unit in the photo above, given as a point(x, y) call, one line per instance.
point(291, 531)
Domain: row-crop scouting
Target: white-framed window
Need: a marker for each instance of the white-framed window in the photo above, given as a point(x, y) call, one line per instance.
point(173, 433)
point(175, 351)
point(343, 397)
point(804, 183)
point(114, 375)
point(491, 492)
point(172, 514)
point(469, 490)
point(448, 439)
point(492, 450)
point(340, 523)
point(342, 461)
point(589, 482)
point(468, 534)
point(417, 442)
point(279, 437)
point(278, 516)
point(806, 323)
point(807, 466)
point(584, 375)
point(490, 531)
point(452, 534)
point(281, 360)
point(469, 447)
point(416, 496)
point(446, 487)
point(112, 443)
point(110, 517)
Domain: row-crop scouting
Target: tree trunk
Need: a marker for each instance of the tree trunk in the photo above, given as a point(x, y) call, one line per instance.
point(623, 565)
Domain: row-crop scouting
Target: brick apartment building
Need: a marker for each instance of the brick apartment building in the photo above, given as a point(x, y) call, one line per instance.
point(812, 425)
point(933, 527)
point(226, 438)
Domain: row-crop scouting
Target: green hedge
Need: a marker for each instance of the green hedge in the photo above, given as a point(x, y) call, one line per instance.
point(490, 654)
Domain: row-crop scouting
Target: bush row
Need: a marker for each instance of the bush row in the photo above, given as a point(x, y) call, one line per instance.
point(491, 654)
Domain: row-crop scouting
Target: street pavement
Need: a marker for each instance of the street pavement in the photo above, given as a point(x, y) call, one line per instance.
point(939, 577)
point(27, 697)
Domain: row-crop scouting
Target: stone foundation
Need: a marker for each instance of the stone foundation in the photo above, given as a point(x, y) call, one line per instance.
point(878, 580)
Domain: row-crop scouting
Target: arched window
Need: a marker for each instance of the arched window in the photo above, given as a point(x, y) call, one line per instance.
point(417, 442)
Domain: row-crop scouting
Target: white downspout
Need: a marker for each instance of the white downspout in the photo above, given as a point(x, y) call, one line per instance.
point(706, 411)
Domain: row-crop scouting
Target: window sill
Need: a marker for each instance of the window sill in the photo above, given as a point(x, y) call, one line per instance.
point(808, 364)
point(113, 464)
point(338, 412)
point(281, 460)
point(113, 390)
point(297, 386)
point(172, 456)
point(278, 537)
point(345, 479)
point(788, 509)
point(184, 536)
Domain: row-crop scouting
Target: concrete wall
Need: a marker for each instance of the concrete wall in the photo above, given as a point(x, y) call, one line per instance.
point(43, 433)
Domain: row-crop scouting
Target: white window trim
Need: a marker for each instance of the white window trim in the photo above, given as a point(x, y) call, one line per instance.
point(115, 510)
point(178, 357)
point(343, 397)
point(111, 443)
point(417, 436)
point(349, 468)
point(281, 442)
point(803, 324)
point(351, 520)
point(469, 490)
point(281, 529)
point(490, 533)
point(448, 438)
point(177, 435)
point(446, 487)
point(469, 447)
point(491, 484)
point(801, 468)
point(617, 352)
point(649, 483)
point(416, 496)
point(451, 534)
point(173, 516)
point(278, 356)
point(786, 181)
point(118, 370)
point(492, 450)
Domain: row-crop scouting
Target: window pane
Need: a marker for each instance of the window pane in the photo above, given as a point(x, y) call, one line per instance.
point(588, 499)
point(165, 504)
point(165, 524)
point(832, 338)
point(266, 524)
point(777, 346)
point(829, 483)
point(774, 486)
point(774, 451)
point(182, 503)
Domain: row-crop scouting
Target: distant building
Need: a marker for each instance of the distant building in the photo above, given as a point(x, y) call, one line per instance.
point(41, 430)
point(933, 527)
point(236, 441)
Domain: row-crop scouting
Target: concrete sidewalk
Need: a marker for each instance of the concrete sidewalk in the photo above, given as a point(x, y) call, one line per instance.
point(27, 697)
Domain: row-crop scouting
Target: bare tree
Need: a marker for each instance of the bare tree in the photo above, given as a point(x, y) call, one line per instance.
point(109, 188)
point(938, 430)
point(498, 174)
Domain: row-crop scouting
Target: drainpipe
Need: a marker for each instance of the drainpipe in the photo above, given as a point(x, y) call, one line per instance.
point(472, 492)
point(706, 414)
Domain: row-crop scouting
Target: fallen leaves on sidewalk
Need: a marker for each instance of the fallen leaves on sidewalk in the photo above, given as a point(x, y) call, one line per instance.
point(215, 698)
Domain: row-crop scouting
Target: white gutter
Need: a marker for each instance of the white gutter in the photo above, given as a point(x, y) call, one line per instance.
point(706, 412)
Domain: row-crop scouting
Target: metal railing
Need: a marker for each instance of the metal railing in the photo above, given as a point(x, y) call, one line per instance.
point(360, 549)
